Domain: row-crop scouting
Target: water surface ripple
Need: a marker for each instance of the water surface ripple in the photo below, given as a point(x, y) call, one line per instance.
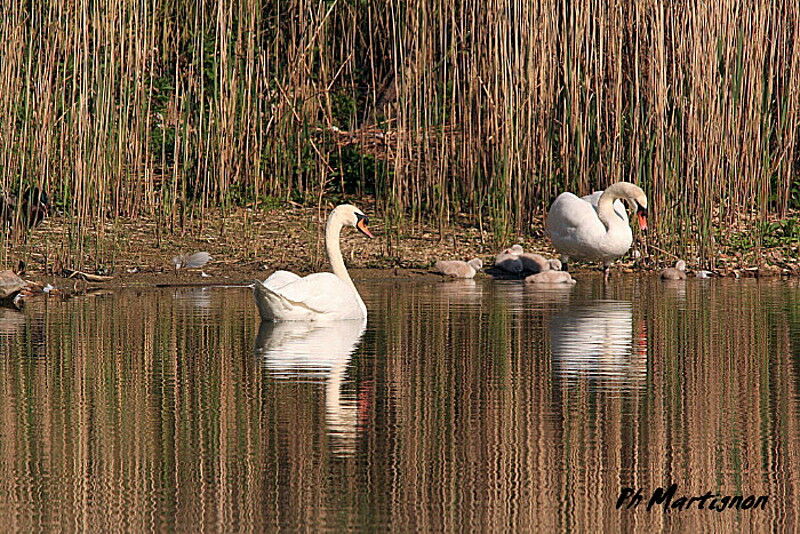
point(469, 405)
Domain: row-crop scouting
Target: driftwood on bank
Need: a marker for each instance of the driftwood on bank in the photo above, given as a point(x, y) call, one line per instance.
point(89, 277)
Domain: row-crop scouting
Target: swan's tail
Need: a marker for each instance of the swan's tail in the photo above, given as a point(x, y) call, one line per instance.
point(265, 300)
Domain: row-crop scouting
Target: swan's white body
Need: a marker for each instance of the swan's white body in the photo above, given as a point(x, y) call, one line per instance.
point(285, 296)
point(594, 227)
point(316, 297)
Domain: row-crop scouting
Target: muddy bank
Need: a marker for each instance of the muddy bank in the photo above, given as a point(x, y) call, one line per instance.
point(250, 244)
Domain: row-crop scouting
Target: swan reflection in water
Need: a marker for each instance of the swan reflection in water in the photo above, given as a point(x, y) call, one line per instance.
point(195, 302)
point(539, 295)
point(597, 342)
point(302, 351)
point(460, 291)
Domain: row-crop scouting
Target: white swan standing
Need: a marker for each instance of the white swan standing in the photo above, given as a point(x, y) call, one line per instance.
point(285, 296)
point(595, 227)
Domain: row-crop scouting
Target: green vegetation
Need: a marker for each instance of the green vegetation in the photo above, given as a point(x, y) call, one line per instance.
point(785, 232)
point(436, 108)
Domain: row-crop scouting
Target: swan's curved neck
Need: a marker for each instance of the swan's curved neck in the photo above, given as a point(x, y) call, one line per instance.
point(605, 205)
point(332, 232)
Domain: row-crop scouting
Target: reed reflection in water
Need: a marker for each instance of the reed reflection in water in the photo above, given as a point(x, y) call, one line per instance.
point(483, 406)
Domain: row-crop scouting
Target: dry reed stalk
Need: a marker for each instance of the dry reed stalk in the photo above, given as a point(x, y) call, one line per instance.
point(492, 108)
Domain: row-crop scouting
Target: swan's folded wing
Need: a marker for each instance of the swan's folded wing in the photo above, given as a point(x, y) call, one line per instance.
point(320, 293)
point(593, 199)
point(278, 279)
point(569, 212)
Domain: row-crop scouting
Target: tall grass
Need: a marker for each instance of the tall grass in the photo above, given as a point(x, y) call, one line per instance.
point(486, 107)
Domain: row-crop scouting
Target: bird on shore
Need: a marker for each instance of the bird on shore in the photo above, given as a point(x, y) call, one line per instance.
point(534, 263)
point(459, 269)
point(509, 260)
point(595, 227)
point(13, 289)
point(191, 261)
point(550, 277)
point(675, 273)
point(705, 274)
point(285, 296)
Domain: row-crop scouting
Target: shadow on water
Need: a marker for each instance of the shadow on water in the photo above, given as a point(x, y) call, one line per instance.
point(473, 405)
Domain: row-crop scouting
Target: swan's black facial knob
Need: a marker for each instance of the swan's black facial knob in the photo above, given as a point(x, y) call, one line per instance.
point(361, 223)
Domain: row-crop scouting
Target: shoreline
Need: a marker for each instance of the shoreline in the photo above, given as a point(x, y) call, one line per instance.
point(71, 287)
point(247, 244)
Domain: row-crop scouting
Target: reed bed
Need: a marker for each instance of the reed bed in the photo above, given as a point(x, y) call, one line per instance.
point(437, 108)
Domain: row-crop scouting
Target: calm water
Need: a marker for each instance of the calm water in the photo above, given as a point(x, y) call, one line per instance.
point(482, 406)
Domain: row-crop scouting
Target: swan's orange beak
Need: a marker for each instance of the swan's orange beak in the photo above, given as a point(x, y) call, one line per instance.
point(362, 227)
point(642, 215)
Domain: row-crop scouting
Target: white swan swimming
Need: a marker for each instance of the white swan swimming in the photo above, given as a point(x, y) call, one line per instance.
point(285, 296)
point(595, 227)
